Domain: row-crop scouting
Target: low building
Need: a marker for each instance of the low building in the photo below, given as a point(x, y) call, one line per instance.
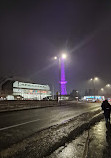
point(63, 97)
point(30, 91)
point(93, 98)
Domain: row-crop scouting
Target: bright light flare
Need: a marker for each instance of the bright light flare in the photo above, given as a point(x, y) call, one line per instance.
point(91, 79)
point(55, 58)
point(64, 56)
point(102, 89)
point(96, 78)
point(108, 85)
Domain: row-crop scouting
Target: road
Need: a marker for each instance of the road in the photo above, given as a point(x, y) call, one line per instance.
point(15, 126)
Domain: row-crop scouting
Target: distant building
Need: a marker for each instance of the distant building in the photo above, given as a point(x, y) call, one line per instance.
point(74, 95)
point(23, 90)
point(93, 98)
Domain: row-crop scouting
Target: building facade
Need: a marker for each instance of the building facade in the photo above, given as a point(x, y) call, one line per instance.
point(93, 98)
point(30, 91)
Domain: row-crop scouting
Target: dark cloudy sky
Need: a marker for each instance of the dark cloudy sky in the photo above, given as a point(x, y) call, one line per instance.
point(32, 32)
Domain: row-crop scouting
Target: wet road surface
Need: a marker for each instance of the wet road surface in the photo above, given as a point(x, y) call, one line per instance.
point(15, 126)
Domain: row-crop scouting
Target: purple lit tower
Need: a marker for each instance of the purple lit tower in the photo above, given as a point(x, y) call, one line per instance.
point(62, 82)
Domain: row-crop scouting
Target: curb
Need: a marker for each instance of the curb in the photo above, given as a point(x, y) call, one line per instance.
point(29, 108)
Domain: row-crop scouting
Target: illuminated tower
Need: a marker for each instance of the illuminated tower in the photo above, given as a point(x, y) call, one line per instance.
point(62, 82)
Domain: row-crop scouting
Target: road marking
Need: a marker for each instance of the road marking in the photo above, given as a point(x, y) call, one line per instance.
point(5, 128)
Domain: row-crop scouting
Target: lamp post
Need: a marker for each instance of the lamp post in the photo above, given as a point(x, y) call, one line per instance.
point(52, 92)
point(108, 92)
point(93, 81)
point(62, 80)
point(77, 97)
point(102, 91)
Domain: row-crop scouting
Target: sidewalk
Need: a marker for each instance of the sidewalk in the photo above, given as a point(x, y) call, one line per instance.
point(100, 141)
point(93, 143)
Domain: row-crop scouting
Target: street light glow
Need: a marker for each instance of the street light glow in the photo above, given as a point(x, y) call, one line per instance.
point(108, 85)
point(91, 79)
point(55, 57)
point(64, 56)
point(102, 89)
point(96, 78)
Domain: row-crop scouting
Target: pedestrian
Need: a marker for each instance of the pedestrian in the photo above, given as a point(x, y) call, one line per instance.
point(106, 107)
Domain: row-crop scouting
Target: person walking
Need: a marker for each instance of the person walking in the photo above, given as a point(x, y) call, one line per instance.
point(106, 107)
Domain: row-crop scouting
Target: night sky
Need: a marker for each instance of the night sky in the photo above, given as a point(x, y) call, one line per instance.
point(33, 32)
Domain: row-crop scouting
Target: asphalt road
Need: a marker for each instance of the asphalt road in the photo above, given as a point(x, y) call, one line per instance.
point(15, 126)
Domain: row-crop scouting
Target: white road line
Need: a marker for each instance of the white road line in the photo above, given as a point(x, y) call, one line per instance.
point(5, 128)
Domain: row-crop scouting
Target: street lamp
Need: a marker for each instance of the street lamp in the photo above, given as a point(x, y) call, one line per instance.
point(96, 78)
point(108, 85)
point(62, 80)
point(77, 97)
point(55, 57)
point(93, 81)
point(64, 56)
point(102, 89)
point(108, 89)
